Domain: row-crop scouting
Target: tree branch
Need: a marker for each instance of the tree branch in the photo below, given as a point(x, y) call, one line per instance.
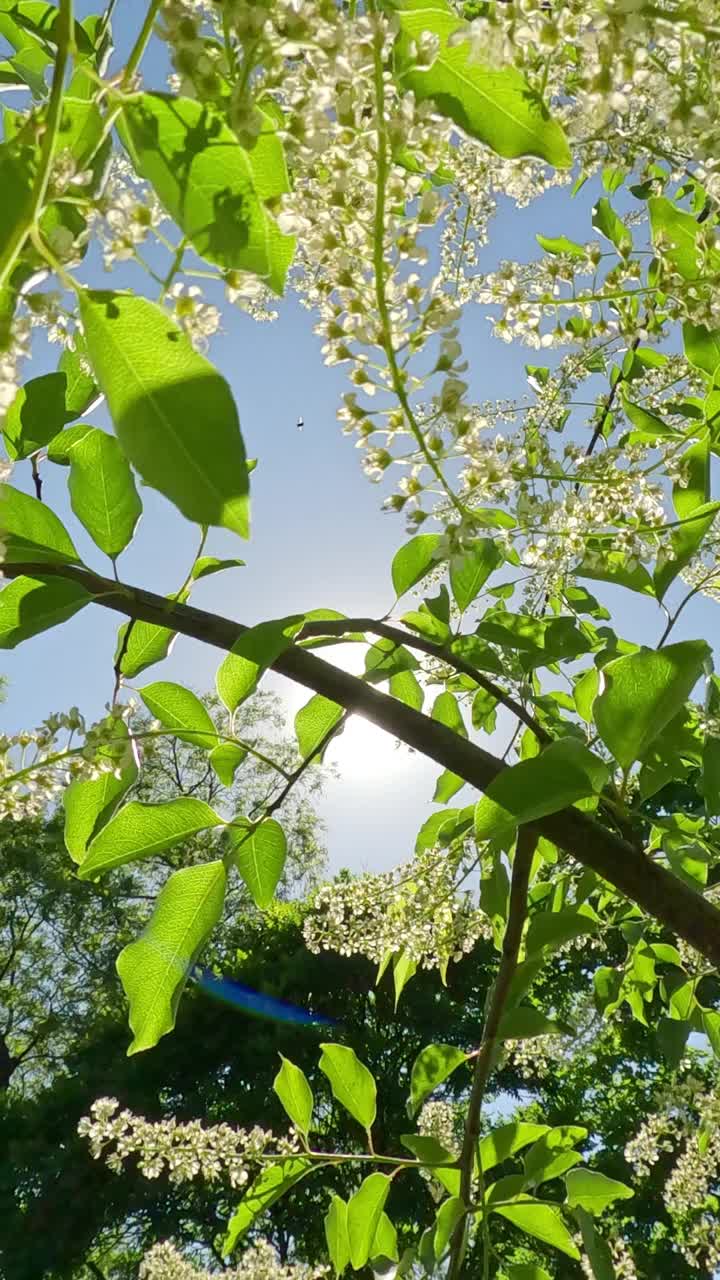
point(517, 914)
point(439, 651)
point(655, 889)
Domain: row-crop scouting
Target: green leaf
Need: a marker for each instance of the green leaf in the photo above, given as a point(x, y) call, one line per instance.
point(207, 565)
point(527, 1271)
point(612, 566)
point(155, 968)
point(385, 1243)
point(447, 786)
point(413, 561)
point(561, 244)
point(433, 1064)
point(552, 1154)
point(405, 687)
point(17, 174)
point(585, 693)
point(336, 1234)
point(684, 543)
point(469, 573)
point(173, 413)
point(363, 1216)
point(260, 858)
point(552, 929)
point(295, 1094)
point(209, 183)
point(269, 1186)
point(313, 722)
point(711, 1027)
point(695, 490)
point(101, 486)
point(81, 390)
point(351, 1082)
point(606, 221)
point(564, 772)
point(649, 427)
point(539, 641)
point(497, 107)
point(404, 968)
point(598, 1253)
point(90, 802)
point(384, 658)
point(141, 830)
point(226, 759)
point(702, 347)
point(678, 233)
point(36, 414)
point(711, 776)
point(146, 644)
point(255, 651)
point(525, 1022)
point(31, 605)
point(543, 1221)
point(181, 711)
point(641, 694)
point(446, 711)
point(504, 1141)
point(428, 1150)
point(593, 1191)
point(31, 531)
point(446, 1220)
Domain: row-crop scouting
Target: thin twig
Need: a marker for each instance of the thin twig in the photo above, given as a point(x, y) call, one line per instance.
point(517, 913)
point(439, 651)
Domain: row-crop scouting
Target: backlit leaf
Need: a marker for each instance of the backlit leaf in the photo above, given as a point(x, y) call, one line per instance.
point(643, 692)
point(155, 968)
point(433, 1064)
point(336, 1234)
point(181, 711)
point(173, 413)
point(295, 1094)
point(209, 183)
point(141, 830)
point(101, 486)
point(496, 106)
point(31, 531)
point(593, 1191)
point(413, 561)
point(543, 1221)
point(363, 1218)
point(271, 1183)
point(351, 1082)
point(260, 859)
point(314, 721)
point(254, 651)
point(31, 605)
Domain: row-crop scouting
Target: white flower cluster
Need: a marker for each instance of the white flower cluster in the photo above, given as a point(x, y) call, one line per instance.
point(624, 1267)
point(688, 1117)
point(128, 211)
point(442, 1121)
point(184, 1151)
point(258, 1262)
point(415, 908)
point(35, 767)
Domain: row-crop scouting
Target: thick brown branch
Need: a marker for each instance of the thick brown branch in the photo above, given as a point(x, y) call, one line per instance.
point(439, 651)
point(517, 914)
point(655, 889)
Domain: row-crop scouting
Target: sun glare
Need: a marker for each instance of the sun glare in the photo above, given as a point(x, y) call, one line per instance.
point(362, 750)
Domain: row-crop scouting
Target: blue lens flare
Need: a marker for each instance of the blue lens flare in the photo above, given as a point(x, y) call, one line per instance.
point(230, 991)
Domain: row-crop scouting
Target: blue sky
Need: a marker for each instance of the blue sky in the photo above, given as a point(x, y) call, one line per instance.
point(318, 539)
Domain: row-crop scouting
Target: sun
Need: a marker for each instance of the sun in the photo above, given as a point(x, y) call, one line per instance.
point(362, 750)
